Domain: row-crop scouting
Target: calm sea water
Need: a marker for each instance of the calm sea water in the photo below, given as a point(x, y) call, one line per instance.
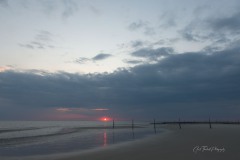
point(30, 138)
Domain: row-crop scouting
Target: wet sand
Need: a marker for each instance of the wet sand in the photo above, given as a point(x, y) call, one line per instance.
point(191, 142)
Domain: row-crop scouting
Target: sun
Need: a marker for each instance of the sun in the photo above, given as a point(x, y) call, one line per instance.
point(105, 119)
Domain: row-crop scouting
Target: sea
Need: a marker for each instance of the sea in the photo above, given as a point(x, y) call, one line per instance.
point(38, 138)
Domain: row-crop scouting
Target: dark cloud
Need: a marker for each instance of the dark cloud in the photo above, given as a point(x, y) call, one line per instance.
point(186, 84)
point(98, 57)
point(222, 29)
point(153, 54)
point(101, 56)
point(194, 32)
point(132, 61)
point(230, 23)
point(151, 44)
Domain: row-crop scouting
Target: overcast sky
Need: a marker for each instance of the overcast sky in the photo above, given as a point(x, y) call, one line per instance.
point(83, 59)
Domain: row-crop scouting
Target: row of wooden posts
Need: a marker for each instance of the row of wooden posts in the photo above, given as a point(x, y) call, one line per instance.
point(195, 122)
point(154, 123)
point(209, 122)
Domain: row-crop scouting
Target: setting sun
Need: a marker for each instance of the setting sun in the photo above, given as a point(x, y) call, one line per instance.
point(105, 119)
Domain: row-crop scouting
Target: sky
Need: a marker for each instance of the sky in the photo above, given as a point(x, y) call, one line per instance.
point(129, 59)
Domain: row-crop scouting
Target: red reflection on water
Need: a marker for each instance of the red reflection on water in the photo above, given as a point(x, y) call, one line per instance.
point(104, 138)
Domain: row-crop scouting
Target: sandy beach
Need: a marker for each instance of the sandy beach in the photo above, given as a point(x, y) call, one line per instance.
point(191, 142)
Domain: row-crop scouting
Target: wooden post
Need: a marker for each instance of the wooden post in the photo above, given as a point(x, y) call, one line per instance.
point(154, 126)
point(179, 124)
point(154, 123)
point(113, 124)
point(210, 125)
point(133, 135)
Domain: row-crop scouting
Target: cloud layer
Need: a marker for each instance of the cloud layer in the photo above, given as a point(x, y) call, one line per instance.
point(189, 84)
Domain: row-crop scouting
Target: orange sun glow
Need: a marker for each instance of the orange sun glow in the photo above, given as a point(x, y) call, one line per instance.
point(105, 119)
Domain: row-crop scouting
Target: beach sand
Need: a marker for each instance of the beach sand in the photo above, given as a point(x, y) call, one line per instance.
point(174, 144)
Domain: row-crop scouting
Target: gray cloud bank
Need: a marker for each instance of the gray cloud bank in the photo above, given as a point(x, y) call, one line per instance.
point(188, 84)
